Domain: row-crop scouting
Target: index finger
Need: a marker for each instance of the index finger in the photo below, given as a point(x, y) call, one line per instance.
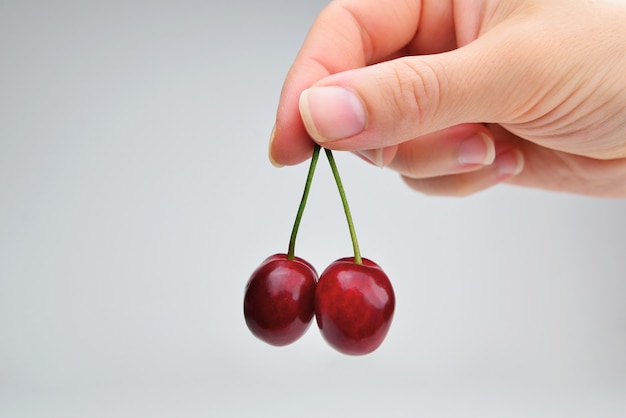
point(347, 34)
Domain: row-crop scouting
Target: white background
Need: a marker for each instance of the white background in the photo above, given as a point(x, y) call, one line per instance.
point(136, 198)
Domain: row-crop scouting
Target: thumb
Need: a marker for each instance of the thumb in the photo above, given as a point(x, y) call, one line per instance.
point(395, 101)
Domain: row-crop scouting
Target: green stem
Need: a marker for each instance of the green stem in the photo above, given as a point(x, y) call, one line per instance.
point(305, 195)
point(346, 209)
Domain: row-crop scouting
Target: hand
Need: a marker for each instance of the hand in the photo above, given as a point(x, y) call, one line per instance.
point(459, 96)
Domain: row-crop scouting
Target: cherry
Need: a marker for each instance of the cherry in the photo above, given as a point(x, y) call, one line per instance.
point(279, 299)
point(354, 305)
point(353, 299)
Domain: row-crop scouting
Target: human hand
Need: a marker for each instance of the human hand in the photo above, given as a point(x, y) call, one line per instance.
point(459, 96)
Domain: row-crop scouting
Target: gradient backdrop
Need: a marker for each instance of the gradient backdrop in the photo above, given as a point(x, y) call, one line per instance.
point(136, 198)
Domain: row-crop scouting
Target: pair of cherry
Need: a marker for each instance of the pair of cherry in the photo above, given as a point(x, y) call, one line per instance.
point(353, 300)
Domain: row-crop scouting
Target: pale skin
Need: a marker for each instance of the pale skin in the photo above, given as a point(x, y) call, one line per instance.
point(459, 96)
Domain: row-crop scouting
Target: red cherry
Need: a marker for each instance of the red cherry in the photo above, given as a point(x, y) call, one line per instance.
point(354, 305)
point(279, 299)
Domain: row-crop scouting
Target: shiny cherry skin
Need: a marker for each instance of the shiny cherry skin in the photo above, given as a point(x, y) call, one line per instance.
point(279, 299)
point(354, 306)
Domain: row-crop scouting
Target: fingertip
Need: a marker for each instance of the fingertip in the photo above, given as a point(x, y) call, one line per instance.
point(510, 163)
point(380, 157)
point(289, 146)
point(477, 149)
point(270, 148)
point(372, 156)
point(507, 164)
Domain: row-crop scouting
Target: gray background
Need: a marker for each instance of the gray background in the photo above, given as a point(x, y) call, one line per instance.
point(136, 198)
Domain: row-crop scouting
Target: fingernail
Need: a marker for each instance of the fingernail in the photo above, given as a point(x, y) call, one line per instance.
point(477, 149)
point(331, 113)
point(269, 149)
point(510, 163)
point(375, 156)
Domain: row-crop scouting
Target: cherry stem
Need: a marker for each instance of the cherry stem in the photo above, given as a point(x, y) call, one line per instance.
point(307, 186)
point(346, 209)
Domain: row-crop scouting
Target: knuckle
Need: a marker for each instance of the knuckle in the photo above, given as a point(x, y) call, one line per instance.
point(417, 90)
